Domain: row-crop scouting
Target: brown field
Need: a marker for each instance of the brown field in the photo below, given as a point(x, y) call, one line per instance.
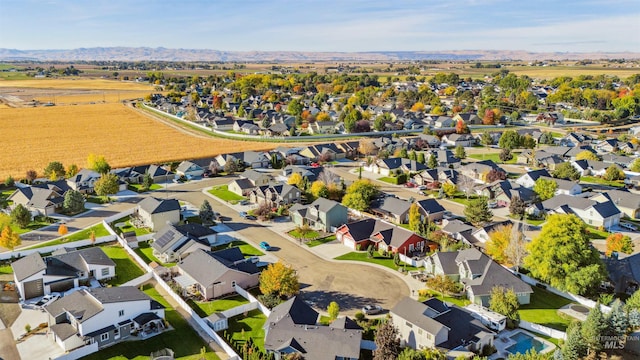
point(91, 96)
point(76, 83)
point(33, 137)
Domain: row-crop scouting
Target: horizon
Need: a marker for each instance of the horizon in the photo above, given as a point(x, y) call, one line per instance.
point(571, 26)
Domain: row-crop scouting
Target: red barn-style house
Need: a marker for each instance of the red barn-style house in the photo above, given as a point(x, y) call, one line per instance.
point(383, 236)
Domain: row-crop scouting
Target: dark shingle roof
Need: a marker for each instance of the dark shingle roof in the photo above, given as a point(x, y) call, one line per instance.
point(156, 206)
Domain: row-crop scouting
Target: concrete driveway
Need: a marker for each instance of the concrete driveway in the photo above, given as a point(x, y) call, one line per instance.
point(31, 316)
point(8, 349)
point(39, 346)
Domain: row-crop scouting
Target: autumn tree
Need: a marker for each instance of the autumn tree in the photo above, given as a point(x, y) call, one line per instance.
point(295, 179)
point(387, 342)
point(489, 117)
point(9, 239)
point(54, 171)
point(613, 173)
point(586, 155)
point(517, 207)
point(516, 250)
point(333, 310)
point(98, 163)
point(73, 202)
point(280, 280)
point(449, 190)
point(495, 175)
point(367, 147)
point(499, 239)
point(359, 195)
point(441, 283)
point(31, 175)
point(231, 166)
point(414, 217)
point(478, 212)
point(635, 165)
point(545, 188)
point(505, 302)
point(619, 243)
point(106, 185)
point(462, 128)
point(566, 171)
point(319, 189)
point(417, 107)
point(581, 272)
point(505, 155)
point(63, 230)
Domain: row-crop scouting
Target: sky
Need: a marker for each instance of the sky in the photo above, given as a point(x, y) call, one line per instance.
point(327, 25)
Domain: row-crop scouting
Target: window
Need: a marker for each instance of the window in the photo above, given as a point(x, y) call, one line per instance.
point(419, 331)
point(116, 333)
point(429, 336)
point(121, 313)
point(409, 324)
point(104, 337)
point(105, 271)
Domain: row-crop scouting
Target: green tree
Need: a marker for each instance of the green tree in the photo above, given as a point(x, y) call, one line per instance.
point(632, 303)
point(72, 170)
point(280, 280)
point(441, 283)
point(563, 257)
point(478, 212)
point(295, 107)
point(449, 190)
point(98, 163)
point(420, 158)
point(319, 189)
point(411, 354)
point(54, 171)
point(510, 139)
point(21, 216)
point(617, 320)
point(574, 347)
point(505, 302)
point(613, 173)
point(387, 342)
point(106, 185)
point(9, 239)
point(586, 155)
point(73, 202)
point(206, 213)
point(505, 155)
point(486, 139)
point(433, 161)
point(412, 155)
point(231, 166)
point(359, 194)
point(593, 328)
point(545, 188)
point(566, 171)
point(147, 181)
point(414, 217)
point(459, 152)
point(333, 310)
point(635, 165)
point(528, 142)
point(517, 207)
point(9, 181)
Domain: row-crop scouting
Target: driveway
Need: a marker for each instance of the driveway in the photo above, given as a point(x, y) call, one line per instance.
point(8, 349)
point(39, 346)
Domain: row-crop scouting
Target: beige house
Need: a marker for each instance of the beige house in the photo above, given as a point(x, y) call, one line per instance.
point(157, 213)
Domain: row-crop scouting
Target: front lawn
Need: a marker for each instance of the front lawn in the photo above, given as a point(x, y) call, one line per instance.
point(126, 268)
point(207, 308)
point(316, 242)
point(77, 236)
point(246, 249)
point(146, 253)
point(139, 189)
point(543, 310)
point(311, 234)
point(377, 259)
point(595, 234)
point(183, 340)
point(6, 269)
point(37, 223)
point(222, 192)
point(495, 157)
point(461, 198)
point(128, 226)
point(428, 294)
point(242, 328)
point(597, 180)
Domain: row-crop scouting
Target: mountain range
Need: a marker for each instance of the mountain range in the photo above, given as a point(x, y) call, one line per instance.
point(164, 54)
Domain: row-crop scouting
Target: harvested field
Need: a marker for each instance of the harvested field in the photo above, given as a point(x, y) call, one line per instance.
point(73, 83)
point(33, 137)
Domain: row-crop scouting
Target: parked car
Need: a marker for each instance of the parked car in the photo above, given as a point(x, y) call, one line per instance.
point(242, 214)
point(372, 309)
point(628, 226)
point(492, 204)
point(250, 217)
point(47, 299)
point(422, 187)
point(265, 246)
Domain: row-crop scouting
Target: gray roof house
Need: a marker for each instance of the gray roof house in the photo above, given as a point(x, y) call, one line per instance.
point(83, 181)
point(258, 178)
point(189, 169)
point(628, 203)
point(43, 199)
point(275, 194)
point(393, 209)
point(322, 214)
point(174, 242)
point(292, 328)
point(593, 212)
point(156, 213)
point(35, 276)
point(241, 186)
point(431, 209)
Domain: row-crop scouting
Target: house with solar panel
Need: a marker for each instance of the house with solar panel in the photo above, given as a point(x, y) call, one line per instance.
point(175, 242)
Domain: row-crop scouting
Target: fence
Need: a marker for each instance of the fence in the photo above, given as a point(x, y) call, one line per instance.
point(119, 215)
point(128, 249)
point(556, 334)
point(245, 294)
point(48, 249)
point(79, 352)
point(240, 309)
point(139, 280)
point(411, 261)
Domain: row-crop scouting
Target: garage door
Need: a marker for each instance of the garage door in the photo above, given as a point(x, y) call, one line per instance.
point(61, 286)
point(349, 242)
point(33, 289)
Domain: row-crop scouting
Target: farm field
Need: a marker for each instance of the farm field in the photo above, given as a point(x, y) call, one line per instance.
point(77, 84)
point(36, 136)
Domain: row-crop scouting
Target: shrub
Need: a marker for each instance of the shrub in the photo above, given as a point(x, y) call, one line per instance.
point(359, 316)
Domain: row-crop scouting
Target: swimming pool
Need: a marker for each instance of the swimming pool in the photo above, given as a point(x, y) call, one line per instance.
point(523, 343)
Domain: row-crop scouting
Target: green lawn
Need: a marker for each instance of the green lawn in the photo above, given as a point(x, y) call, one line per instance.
point(246, 249)
point(495, 157)
point(594, 233)
point(377, 259)
point(77, 236)
point(138, 187)
point(308, 235)
point(317, 242)
point(126, 268)
point(129, 227)
point(390, 180)
point(462, 199)
point(528, 220)
point(183, 340)
point(462, 302)
point(207, 308)
point(6, 269)
point(543, 310)
point(597, 180)
point(222, 192)
point(97, 199)
point(242, 328)
point(146, 253)
point(35, 224)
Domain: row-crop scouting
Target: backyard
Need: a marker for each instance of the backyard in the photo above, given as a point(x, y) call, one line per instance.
point(35, 224)
point(376, 259)
point(183, 340)
point(597, 180)
point(145, 251)
point(495, 157)
point(222, 192)
point(126, 268)
point(85, 234)
point(543, 310)
point(206, 308)
point(125, 225)
point(242, 328)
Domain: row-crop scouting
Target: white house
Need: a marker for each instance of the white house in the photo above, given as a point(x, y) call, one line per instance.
point(156, 213)
point(189, 169)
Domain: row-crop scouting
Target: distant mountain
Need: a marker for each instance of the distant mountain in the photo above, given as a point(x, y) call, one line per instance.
point(164, 54)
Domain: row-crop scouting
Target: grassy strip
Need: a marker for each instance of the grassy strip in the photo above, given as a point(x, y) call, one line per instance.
point(600, 181)
point(206, 308)
point(317, 242)
point(493, 157)
point(222, 192)
point(543, 310)
point(376, 259)
point(126, 268)
point(312, 234)
point(77, 236)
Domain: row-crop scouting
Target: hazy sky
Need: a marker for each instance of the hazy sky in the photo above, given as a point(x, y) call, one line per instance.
point(328, 25)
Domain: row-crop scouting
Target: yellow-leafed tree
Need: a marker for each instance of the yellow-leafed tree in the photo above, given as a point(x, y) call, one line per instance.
point(9, 239)
point(279, 279)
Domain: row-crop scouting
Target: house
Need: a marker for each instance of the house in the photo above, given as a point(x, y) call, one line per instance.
point(43, 199)
point(481, 234)
point(156, 213)
point(575, 140)
point(250, 159)
point(393, 209)
point(383, 236)
point(443, 122)
point(459, 230)
point(445, 157)
point(35, 276)
point(504, 191)
point(464, 140)
point(324, 152)
point(529, 179)
point(307, 172)
point(189, 169)
point(250, 129)
point(322, 214)
point(430, 140)
point(430, 209)
point(322, 127)
point(566, 187)
point(238, 124)
point(427, 177)
point(479, 170)
point(623, 272)
point(292, 328)
point(277, 130)
point(592, 167)
point(592, 212)
point(241, 186)
point(257, 178)
point(275, 194)
point(174, 242)
point(83, 181)
point(104, 316)
point(158, 174)
point(389, 166)
point(628, 203)
point(478, 273)
point(215, 274)
point(435, 324)
point(468, 118)
point(607, 146)
point(350, 148)
point(223, 124)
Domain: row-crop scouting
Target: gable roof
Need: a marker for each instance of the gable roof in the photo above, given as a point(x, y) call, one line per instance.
point(243, 183)
point(430, 206)
point(491, 274)
point(154, 205)
point(394, 206)
point(27, 266)
point(185, 165)
point(206, 267)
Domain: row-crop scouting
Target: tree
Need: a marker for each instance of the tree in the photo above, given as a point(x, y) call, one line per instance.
point(54, 170)
point(295, 179)
point(206, 213)
point(486, 139)
point(98, 163)
point(459, 152)
point(9, 239)
point(147, 181)
point(433, 161)
point(411, 354)
point(617, 320)
point(31, 175)
point(495, 175)
point(613, 173)
point(319, 189)
point(478, 212)
point(367, 147)
point(545, 188)
point(21, 216)
point(505, 155)
point(420, 158)
point(635, 165)
point(333, 310)
point(505, 302)
point(517, 207)
point(359, 194)
point(461, 127)
point(632, 303)
point(295, 107)
point(566, 171)
point(489, 117)
point(106, 185)
point(516, 250)
point(9, 181)
point(387, 342)
point(72, 170)
point(562, 256)
point(574, 347)
point(231, 166)
point(510, 139)
point(527, 142)
point(618, 243)
point(593, 328)
point(63, 230)
point(586, 155)
point(441, 283)
point(499, 239)
point(449, 190)
point(414, 217)
point(280, 280)
point(73, 202)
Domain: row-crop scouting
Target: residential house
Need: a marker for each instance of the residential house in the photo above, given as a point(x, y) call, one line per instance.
point(383, 236)
point(350, 148)
point(83, 181)
point(592, 212)
point(566, 187)
point(275, 194)
point(247, 159)
point(479, 170)
point(468, 118)
point(504, 192)
point(104, 316)
point(481, 234)
point(430, 209)
point(277, 130)
point(250, 129)
point(427, 177)
point(393, 209)
point(430, 140)
point(292, 328)
point(460, 231)
point(628, 203)
point(445, 158)
point(158, 174)
point(529, 179)
point(324, 152)
point(189, 169)
point(575, 140)
point(156, 213)
point(322, 127)
point(42, 199)
point(390, 166)
point(322, 214)
point(478, 273)
point(238, 124)
point(622, 161)
point(623, 272)
point(174, 242)
point(454, 140)
point(35, 276)
point(241, 186)
point(257, 178)
point(215, 274)
point(607, 146)
point(443, 122)
point(310, 173)
point(435, 324)
point(223, 124)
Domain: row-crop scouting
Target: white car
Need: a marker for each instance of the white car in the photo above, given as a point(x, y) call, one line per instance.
point(46, 300)
point(628, 226)
point(372, 309)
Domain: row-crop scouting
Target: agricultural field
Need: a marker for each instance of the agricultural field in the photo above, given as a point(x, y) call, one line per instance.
point(38, 135)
